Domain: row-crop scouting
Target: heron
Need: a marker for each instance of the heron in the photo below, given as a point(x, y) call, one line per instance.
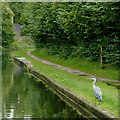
point(97, 91)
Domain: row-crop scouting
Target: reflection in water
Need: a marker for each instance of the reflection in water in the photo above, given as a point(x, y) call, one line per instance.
point(23, 97)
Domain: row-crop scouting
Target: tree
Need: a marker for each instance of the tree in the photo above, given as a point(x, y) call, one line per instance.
point(17, 8)
point(88, 30)
point(7, 26)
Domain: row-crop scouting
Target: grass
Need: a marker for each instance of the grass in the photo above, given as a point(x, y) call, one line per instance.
point(80, 86)
point(79, 64)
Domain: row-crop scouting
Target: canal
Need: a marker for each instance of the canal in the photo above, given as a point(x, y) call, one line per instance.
point(24, 97)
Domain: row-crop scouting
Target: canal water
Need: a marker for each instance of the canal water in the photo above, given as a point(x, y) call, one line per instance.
point(24, 97)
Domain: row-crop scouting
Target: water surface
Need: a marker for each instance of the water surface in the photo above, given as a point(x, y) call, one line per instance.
point(24, 97)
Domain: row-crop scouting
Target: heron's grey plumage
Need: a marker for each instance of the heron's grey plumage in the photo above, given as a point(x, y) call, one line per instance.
point(97, 91)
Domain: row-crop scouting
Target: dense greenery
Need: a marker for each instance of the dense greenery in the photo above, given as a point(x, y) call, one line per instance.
point(7, 28)
point(75, 29)
point(17, 8)
point(22, 42)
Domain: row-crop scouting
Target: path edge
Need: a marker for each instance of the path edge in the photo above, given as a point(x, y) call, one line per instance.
point(82, 106)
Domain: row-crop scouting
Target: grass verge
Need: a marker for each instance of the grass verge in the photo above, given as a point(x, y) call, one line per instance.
point(78, 85)
point(79, 64)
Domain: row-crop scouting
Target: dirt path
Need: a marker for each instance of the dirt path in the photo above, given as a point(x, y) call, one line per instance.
point(73, 71)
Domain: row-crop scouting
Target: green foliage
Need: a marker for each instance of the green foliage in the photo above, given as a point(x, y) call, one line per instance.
point(22, 42)
point(75, 29)
point(17, 8)
point(7, 27)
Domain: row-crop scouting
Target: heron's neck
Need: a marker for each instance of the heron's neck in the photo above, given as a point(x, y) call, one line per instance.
point(94, 83)
point(93, 86)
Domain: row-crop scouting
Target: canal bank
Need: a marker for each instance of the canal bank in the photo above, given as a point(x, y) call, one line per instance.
point(24, 98)
point(82, 106)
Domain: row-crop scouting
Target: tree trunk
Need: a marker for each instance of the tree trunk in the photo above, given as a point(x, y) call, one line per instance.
point(101, 58)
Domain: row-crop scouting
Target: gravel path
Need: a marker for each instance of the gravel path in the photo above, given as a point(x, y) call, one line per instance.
point(73, 71)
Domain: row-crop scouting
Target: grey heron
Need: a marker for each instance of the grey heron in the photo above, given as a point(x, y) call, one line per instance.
point(97, 91)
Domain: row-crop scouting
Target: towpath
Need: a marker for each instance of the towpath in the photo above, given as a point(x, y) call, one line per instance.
point(73, 71)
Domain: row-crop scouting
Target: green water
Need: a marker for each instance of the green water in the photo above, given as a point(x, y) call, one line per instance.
point(23, 97)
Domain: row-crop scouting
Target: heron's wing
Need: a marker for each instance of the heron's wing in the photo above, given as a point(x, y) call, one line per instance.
point(98, 92)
